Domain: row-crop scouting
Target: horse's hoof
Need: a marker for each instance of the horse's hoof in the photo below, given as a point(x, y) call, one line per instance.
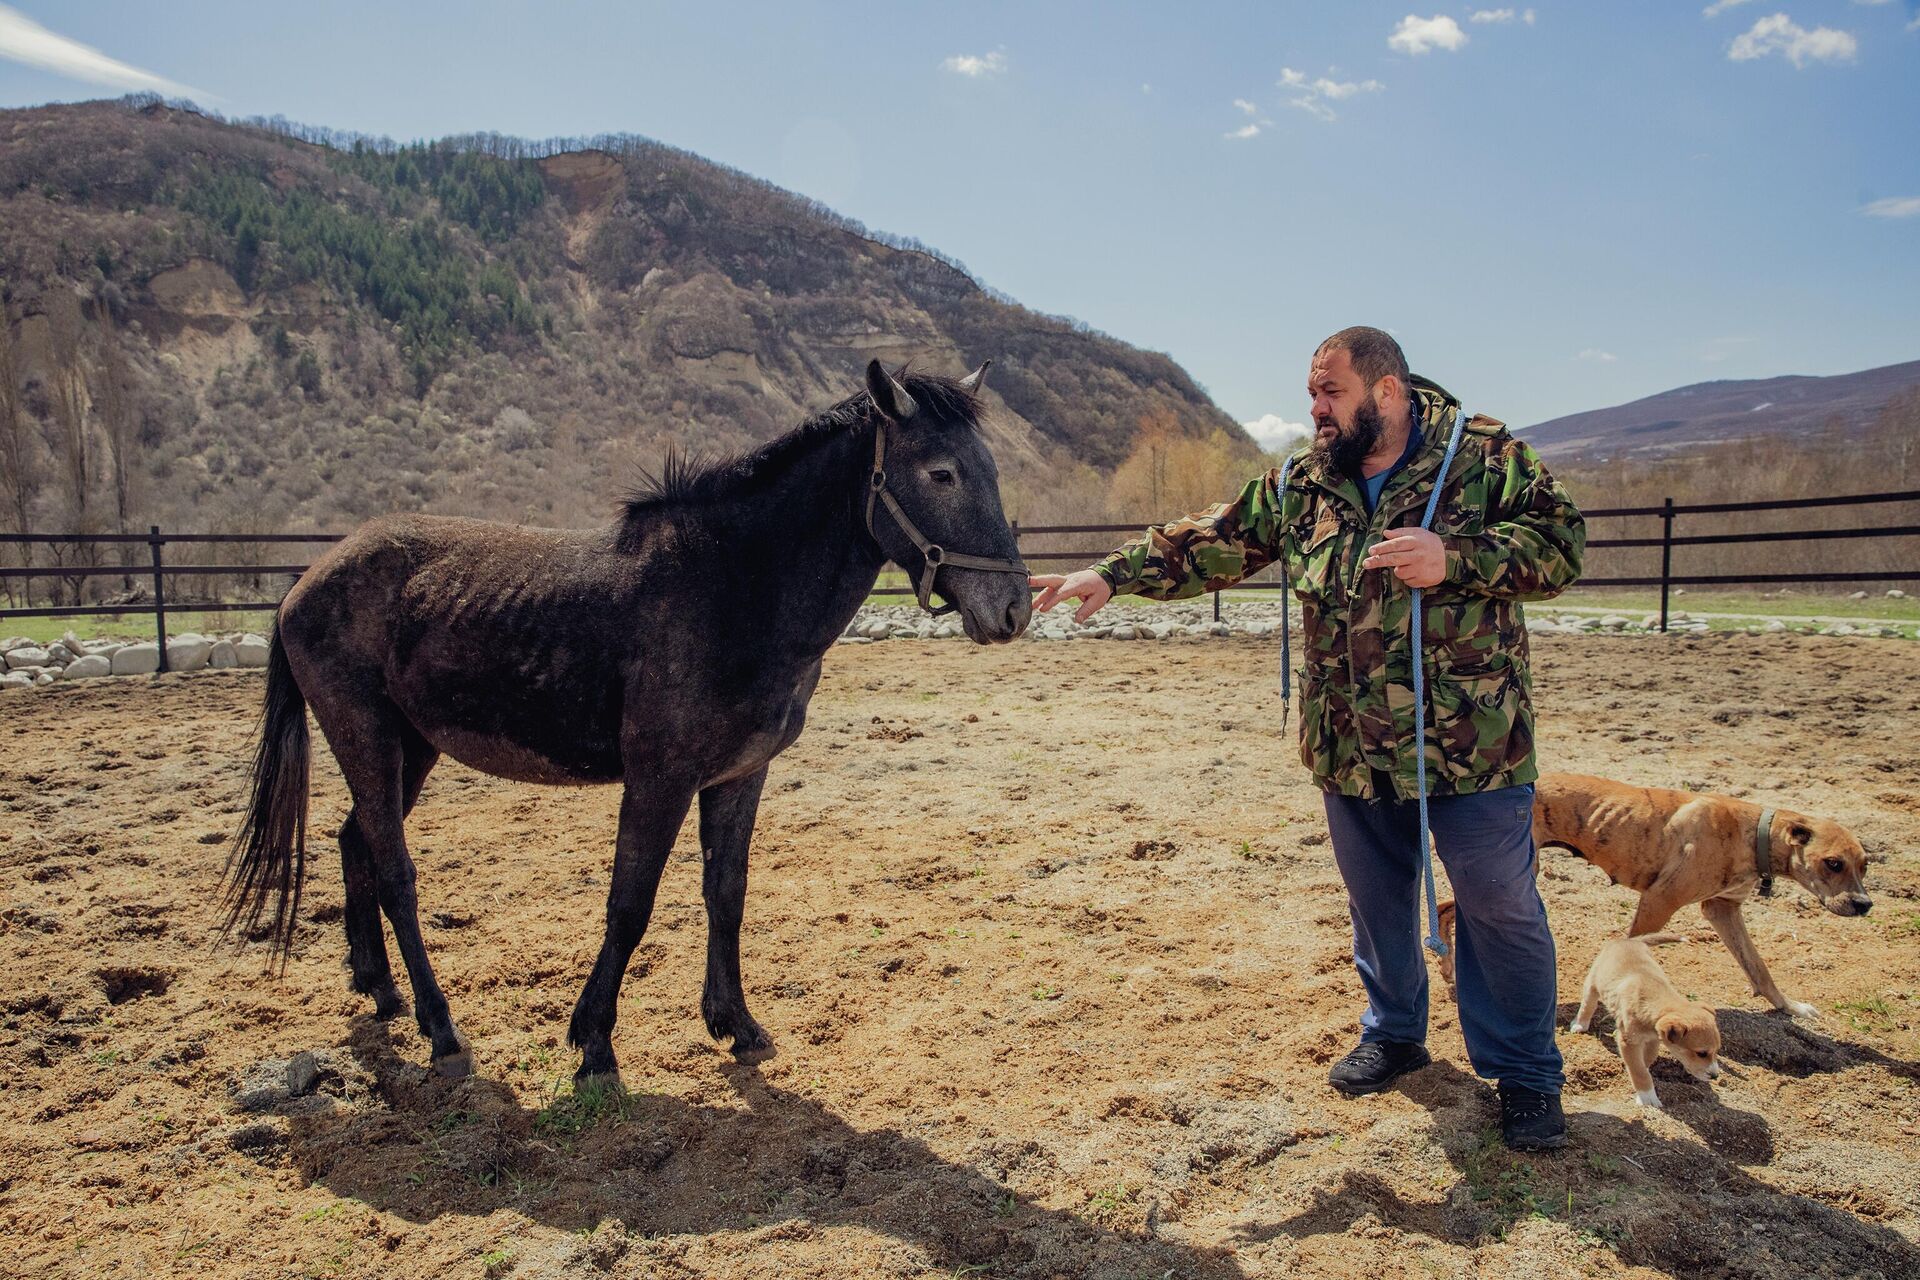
point(752, 1050)
point(608, 1079)
point(387, 1004)
point(457, 1065)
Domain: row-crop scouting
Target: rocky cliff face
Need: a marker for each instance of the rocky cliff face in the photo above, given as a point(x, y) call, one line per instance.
point(283, 326)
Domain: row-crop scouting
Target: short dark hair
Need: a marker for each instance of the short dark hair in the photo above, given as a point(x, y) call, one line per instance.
point(1374, 353)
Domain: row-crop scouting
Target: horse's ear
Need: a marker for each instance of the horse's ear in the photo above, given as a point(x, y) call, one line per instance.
point(888, 394)
point(976, 382)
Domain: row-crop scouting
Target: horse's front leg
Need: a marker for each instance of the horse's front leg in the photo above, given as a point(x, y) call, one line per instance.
point(650, 816)
point(727, 812)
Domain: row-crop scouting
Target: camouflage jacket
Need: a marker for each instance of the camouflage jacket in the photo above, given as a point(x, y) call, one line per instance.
point(1511, 534)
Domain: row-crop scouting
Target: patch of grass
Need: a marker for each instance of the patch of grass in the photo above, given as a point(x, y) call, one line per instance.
point(1044, 992)
point(1868, 1013)
point(577, 1108)
point(321, 1214)
point(1111, 1204)
point(494, 1261)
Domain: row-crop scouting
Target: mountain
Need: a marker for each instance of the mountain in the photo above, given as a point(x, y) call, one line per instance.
point(233, 325)
point(1711, 412)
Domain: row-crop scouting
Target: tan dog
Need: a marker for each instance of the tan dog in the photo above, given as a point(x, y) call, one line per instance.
point(1677, 847)
point(1649, 1016)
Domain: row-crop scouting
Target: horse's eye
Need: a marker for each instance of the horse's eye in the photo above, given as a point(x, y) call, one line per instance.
point(940, 475)
point(1836, 866)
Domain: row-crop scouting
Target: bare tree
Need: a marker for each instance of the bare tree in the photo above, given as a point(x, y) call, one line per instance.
point(69, 434)
point(19, 476)
point(116, 417)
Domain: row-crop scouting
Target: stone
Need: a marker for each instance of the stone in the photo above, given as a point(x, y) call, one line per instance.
point(1858, 595)
point(1613, 622)
point(1219, 629)
point(1776, 625)
point(1896, 594)
point(1651, 621)
point(222, 657)
point(1122, 632)
point(878, 629)
point(14, 680)
point(252, 651)
point(88, 668)
point(26, 656)
point(303, 1073)
point(854, 640)
point(137, 659)
point(44, 676)
point(188, 652)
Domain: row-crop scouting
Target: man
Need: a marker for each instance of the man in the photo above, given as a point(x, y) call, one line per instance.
point(1346, 531)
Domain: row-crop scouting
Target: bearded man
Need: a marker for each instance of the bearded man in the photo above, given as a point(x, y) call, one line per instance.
point(1346, 530)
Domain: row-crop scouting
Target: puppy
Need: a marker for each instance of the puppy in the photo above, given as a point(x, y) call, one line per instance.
point(1650, 1017)
point(1679, 847)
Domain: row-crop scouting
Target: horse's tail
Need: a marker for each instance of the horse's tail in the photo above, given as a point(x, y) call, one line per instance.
point(269, 857)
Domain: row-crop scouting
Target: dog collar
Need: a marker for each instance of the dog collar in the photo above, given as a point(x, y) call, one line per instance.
point(1763, 853)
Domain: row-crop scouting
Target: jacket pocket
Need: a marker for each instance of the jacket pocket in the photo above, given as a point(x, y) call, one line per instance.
point(1317, 575)
point(1476, 711)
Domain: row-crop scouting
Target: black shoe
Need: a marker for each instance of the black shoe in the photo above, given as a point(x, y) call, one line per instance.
point(1531, 1121)
point(1375, 1064)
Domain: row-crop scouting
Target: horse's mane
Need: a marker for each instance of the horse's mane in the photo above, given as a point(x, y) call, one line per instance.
point(684, 481)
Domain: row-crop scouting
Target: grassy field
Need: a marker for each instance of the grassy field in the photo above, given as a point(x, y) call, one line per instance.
point(135, 626)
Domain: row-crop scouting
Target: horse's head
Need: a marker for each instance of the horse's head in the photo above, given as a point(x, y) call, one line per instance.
point(939, 473)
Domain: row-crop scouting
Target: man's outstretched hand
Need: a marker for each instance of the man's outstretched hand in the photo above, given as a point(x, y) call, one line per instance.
point(1085, 586)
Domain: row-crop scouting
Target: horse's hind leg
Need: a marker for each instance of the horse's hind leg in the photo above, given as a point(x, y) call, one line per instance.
point(726, 829)
point(370, 739)
point(366, 941)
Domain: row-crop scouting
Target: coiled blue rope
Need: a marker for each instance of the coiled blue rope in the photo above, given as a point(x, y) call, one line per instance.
point(1418, 625)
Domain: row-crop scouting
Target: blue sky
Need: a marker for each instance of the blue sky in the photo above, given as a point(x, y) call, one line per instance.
point(1555, 207)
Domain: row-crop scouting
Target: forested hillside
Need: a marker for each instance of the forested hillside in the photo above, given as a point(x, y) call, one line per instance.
point(221, 326)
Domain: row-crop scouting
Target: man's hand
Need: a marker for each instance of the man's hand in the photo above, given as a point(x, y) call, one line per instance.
point(1085, 586)
point(1416, 556)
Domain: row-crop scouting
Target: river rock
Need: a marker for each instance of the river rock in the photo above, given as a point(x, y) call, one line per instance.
point(1775, 625)
point(14, 680)
point(222, 657)
point(1122, 632)
point(88, 668)
point(26, 656)
point(137, 659)
point(251, 650)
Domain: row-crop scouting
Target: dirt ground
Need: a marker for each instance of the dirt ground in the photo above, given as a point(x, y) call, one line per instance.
point(1051, 943)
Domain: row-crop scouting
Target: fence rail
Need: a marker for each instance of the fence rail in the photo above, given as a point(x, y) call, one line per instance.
point(1668, 512)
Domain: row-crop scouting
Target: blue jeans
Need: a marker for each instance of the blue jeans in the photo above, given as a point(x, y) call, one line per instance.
point(1503, 959)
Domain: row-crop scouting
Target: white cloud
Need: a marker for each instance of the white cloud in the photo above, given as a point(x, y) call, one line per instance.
point(25, 41)
point(1782, 35)
point(1417, 35)
point(1595, 355)
point(1251, 130)
point(1719, 7)
point(1311, 96)
point(1893, 207)
point(1276, 435)
point(1492, 15)
point(1246, 106)
point(1526, 16)
point(977, 65)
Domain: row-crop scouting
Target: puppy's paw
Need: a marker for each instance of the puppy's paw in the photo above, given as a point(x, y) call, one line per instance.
point(1801, 1009)
point(1649, 1099)
point(1576, 1028)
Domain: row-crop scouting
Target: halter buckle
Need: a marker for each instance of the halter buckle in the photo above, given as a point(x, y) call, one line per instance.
point(934, 554)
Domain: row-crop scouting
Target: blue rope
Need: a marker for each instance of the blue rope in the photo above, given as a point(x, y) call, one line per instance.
point(1418, 626)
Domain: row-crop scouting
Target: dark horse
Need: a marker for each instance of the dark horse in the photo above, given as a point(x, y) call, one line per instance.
point(674, 653)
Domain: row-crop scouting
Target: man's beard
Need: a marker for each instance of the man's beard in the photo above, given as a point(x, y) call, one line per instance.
point(1350, 445)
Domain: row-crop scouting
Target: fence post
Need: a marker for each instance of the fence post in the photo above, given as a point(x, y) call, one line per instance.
point(1666, 560)
point(1216, 606)
point(159, 594)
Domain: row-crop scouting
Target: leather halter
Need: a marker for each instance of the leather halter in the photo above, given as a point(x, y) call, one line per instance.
point(932, 554)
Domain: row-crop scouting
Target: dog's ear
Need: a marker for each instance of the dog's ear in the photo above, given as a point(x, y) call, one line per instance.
point(1670, 1029)
point(1800, 834)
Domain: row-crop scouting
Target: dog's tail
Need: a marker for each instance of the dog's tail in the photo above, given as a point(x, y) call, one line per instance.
point(1661, 939)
